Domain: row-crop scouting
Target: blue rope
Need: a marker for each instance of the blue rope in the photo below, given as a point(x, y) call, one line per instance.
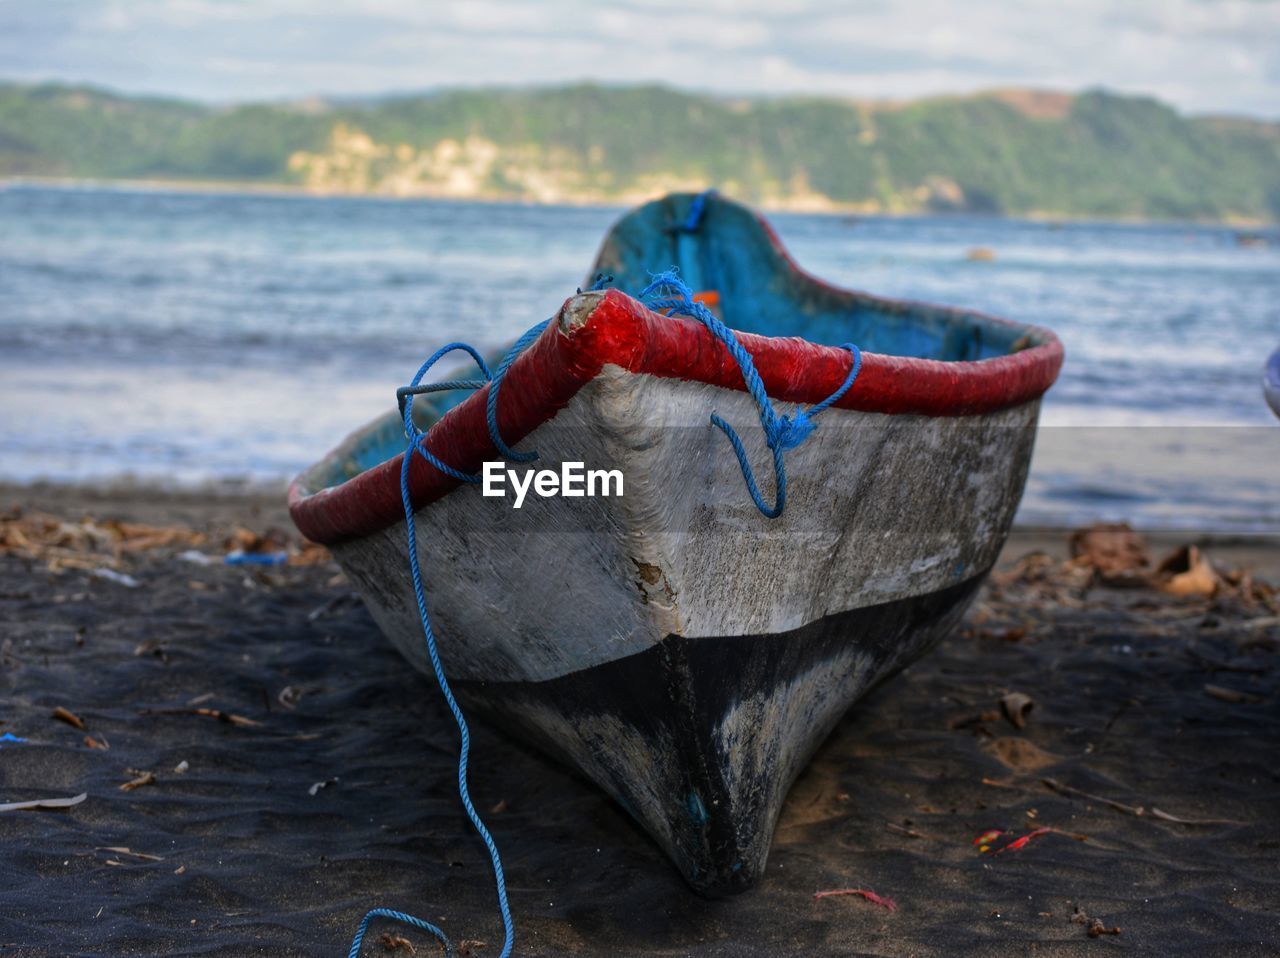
point(668, 292)
point(401, 917)
point(464, 750)
point(697, 209)
point(600, 282)
point(495, 383)
point(405, 396)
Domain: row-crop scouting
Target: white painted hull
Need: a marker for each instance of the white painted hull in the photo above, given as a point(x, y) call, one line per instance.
point(540, 610)
point(677, 647)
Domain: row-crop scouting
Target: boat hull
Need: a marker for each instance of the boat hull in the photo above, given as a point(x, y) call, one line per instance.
point(700, 739)
point(676, 647)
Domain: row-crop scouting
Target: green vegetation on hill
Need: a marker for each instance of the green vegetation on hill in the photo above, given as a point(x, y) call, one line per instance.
point(1012, 152)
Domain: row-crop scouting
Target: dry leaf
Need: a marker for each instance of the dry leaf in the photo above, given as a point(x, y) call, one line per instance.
point(64, 715)
point(395, 942)
point(145, 778)
point(229, 717)
point(311, 553)
point(1187, 572)
point(1096, 928)
point(1016, 706)
point(1116, 554)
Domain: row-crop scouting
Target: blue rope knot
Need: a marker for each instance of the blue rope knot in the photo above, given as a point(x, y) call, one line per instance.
point(667, 292)
point(791, 432)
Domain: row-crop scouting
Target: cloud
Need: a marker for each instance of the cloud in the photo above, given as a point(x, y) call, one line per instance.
point(1202, 55)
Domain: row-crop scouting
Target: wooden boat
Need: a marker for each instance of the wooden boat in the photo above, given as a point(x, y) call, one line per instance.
point(1271, 382)
point(681, 650)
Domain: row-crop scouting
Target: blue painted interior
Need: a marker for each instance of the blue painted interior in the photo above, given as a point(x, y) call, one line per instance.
point(731, 253)
point(379, 441)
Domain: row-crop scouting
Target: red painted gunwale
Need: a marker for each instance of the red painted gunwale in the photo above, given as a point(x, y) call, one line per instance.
point(621, 332)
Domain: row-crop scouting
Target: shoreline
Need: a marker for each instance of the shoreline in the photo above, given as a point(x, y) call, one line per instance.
point(833, 209)
point(216, 503)
point(158, 505)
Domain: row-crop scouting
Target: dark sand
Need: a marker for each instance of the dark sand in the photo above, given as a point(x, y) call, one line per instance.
point(253, 863)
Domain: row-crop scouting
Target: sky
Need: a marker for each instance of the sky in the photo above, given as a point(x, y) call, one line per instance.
point(1220, 56)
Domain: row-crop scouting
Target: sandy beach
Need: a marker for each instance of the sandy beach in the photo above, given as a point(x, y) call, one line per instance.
point(260, 768)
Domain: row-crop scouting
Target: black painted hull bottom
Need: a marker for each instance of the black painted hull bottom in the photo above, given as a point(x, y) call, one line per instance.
point(700, 739)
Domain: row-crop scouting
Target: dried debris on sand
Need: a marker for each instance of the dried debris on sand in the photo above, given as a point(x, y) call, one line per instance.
point(1112, 564)
point(107, 546)
point(1115, 555)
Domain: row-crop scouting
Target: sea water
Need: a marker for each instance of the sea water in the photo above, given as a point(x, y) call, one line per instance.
point(188, 338)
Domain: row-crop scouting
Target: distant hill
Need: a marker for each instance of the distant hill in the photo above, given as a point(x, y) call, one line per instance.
point(1013, 152)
